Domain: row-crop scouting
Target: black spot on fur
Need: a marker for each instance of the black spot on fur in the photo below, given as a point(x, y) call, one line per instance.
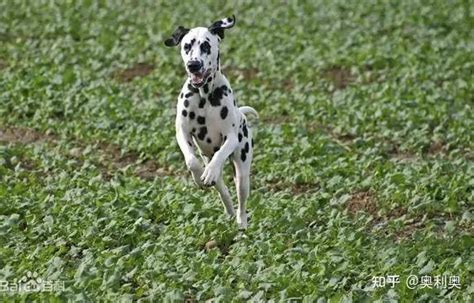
point(240, 137)
point(202, 102)
point(191, 115)
point(186, 103)
point(187, 47)
point(184, 112)
point(246, 147)
point(216, 149)
point(181, 96)
point(189, 94)
point(193, 89)
point(218, 59)
point(235, 103)
point(202, 133)
point(190, 144)
point(224, 112)
point(243, 155)
point(205, 48)
point(201, 120)
point(193, 130)
point(206, 88)
point(244, 129)
point(209, 140)
point(217, 94)
point(233, 124)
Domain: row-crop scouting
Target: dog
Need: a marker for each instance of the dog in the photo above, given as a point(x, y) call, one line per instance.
point(208, 118)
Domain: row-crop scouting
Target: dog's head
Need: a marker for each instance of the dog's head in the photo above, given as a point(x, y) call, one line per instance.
point(200, 48)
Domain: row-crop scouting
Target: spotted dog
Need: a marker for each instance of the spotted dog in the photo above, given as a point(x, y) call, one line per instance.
point(208, 117)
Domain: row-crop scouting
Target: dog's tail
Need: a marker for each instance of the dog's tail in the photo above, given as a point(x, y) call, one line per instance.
point(248, 110)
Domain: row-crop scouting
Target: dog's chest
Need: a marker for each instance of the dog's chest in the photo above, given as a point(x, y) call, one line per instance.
point(207, 124)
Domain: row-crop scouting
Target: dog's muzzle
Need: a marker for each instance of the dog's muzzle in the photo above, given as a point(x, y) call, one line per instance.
point(197, 73)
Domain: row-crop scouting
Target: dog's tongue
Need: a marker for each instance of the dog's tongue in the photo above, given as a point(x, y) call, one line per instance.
point(196, 78)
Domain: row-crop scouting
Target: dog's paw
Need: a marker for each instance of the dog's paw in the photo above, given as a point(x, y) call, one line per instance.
point(198, 182)
point(242, 225)
point(242, 221)
point(211, 174)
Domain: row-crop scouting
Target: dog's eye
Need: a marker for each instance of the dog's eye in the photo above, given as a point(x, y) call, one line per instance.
point(205, 48)
point(187, 47)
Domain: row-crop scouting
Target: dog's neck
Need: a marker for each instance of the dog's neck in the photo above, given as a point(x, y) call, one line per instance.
point(217, 78)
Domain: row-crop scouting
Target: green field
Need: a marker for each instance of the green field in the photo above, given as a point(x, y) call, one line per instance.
point(363, 163)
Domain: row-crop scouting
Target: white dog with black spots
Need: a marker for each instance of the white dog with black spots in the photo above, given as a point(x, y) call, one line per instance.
point(208, 118)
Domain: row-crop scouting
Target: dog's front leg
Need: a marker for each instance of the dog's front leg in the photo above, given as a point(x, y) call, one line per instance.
point(186, 144)
point(213, 170)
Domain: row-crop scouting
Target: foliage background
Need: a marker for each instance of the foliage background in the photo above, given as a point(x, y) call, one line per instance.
point(363, 165)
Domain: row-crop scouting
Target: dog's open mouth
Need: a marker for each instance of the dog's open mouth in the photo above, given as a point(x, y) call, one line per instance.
point(198, 79)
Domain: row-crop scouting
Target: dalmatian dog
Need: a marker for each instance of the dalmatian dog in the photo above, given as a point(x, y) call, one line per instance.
point(208, 120)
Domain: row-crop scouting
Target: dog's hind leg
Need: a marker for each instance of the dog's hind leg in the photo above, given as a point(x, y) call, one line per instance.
point(242, 184)
point(242, 160)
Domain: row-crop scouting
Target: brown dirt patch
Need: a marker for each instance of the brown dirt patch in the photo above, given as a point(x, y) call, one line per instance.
point(111, 153)
point(362, 201)
point(280, 119)
point(409, 229)
point(288, 84)
point(303, 188)
point(247, 73)
point(189, 299)
point(23, 135)
point(150, 169)
point(137, 71)
point(296, 188)
point(397, 212)
point(365, 201)
point(147, 169)
point(436, 148)
point(340, 76)
point(393, 150)
point(344, 140)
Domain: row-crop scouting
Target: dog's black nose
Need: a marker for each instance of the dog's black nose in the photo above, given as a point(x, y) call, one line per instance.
point(194, 66)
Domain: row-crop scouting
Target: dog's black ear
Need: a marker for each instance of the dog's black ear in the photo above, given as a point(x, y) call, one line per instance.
point(177, 36)
point(218, 27)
